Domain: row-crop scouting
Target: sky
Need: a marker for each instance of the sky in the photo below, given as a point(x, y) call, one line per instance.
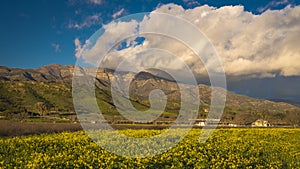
point(257, 41)
point(40, 32)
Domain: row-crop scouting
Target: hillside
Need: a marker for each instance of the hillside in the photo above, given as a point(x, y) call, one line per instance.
point(46, 91)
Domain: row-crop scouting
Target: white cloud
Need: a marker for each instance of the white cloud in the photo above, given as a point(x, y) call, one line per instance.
point(86, 23)
point(56, 47)
point(118, 13)
point(191, 3)
point(78, 47)
point(91, 2)
point(114, 30)
point(97, 2)
point(248, 45)
point(273, 3)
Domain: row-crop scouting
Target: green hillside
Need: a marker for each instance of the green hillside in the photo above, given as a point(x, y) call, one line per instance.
point(47, 92)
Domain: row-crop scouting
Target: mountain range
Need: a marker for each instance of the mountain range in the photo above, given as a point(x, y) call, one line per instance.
point(48, 90)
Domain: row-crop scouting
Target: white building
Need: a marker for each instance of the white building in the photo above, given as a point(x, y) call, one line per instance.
point(260, 123)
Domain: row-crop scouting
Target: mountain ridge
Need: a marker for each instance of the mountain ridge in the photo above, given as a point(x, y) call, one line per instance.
point(51, 85)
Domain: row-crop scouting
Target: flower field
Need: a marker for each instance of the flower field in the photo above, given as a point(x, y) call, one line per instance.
point(226, 148)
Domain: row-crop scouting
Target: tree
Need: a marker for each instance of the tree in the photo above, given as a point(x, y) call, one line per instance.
point(42, 108)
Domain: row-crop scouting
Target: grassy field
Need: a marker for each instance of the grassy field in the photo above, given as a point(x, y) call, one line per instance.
point(226, 148)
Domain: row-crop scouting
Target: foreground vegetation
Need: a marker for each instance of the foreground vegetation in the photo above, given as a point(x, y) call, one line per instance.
point(226, 148)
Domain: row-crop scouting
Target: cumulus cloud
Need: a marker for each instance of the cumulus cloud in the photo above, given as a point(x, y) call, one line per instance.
point(116, 31)
point(118, 13)
point(249, 45)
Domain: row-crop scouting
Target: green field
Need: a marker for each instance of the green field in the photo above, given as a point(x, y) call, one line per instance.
point(226, 148)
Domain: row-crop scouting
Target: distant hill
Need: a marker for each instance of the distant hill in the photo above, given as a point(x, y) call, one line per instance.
point(46, 90)
point(289, 101)
point(49, 73)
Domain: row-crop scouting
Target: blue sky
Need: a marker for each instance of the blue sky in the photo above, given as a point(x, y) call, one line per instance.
point(40, 32)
